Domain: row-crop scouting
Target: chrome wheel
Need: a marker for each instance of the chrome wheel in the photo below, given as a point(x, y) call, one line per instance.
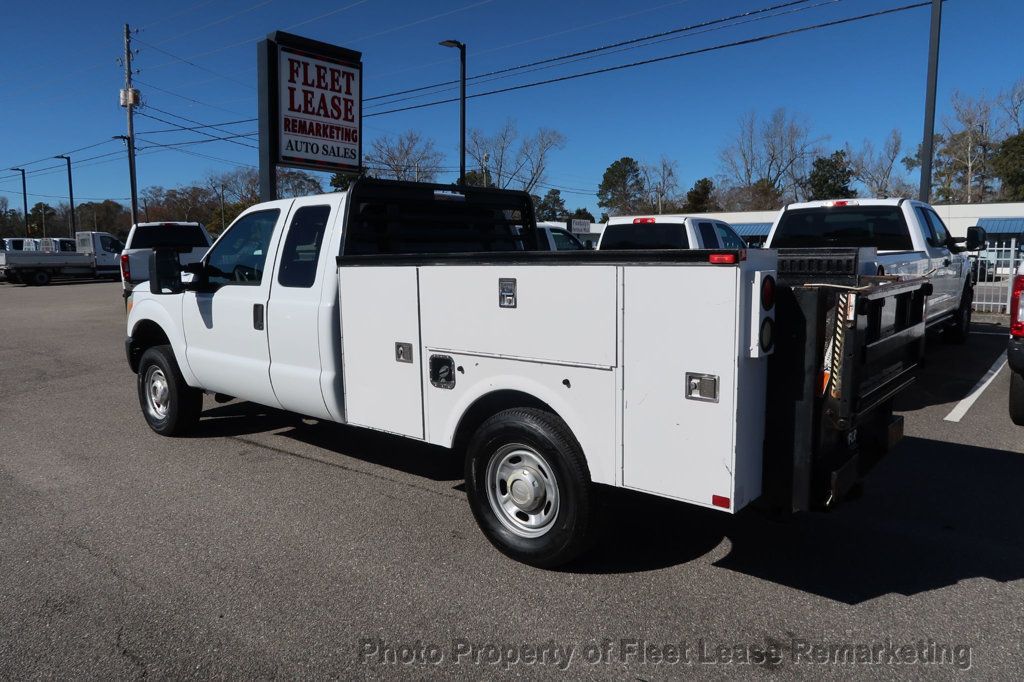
point(158, 395)
point(522, 490)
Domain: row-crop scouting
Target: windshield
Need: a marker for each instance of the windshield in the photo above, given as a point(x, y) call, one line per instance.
point(882, 227)
point(645, 236)
point(161, 236)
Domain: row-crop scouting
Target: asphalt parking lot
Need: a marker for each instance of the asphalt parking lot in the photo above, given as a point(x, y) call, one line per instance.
point(270, 546)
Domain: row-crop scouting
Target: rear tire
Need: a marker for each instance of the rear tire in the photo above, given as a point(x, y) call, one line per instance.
point(171, 407)
point(1017, 398)
point(960, 329)
point(529, 487)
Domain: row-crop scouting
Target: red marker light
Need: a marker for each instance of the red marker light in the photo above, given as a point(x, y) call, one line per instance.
point(722, 258)
point(637, 221)
point(768, 292)
point(840, 203)
point(721, 501)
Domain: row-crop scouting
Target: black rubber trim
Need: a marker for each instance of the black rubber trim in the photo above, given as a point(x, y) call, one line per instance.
point(638, 257)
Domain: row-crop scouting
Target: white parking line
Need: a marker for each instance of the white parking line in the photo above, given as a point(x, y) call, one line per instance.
point(961, 407)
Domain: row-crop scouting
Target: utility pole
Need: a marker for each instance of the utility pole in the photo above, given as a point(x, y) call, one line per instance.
point(24, 197)
point(73, 224)
point(222, 225)
point(924, 193)
point(129, 100)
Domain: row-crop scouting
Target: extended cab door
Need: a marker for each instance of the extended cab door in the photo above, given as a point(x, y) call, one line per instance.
point(225, 323)
point(294, 311)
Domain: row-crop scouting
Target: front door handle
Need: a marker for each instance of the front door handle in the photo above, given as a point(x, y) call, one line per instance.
point(257, 316)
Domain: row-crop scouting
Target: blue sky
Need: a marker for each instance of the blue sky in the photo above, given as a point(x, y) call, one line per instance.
point(59, 77)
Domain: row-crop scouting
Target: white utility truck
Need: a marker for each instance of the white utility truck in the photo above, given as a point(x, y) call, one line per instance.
point(668, 232)
point(96, 256)
point(436, 313)
point(190, 239)
point(910, 239)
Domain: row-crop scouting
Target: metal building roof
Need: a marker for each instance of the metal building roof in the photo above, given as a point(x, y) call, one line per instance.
point(752, 229)
point(1000, 225)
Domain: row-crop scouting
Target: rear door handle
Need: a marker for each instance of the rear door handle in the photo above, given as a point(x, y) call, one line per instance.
point(257, 316)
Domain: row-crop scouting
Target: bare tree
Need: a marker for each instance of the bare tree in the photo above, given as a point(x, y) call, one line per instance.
point(408, 156)
point(970, 143)
point(878, 171)
point(774, 155)
point(505, 160)
point(1012, 104)
point(661, 182)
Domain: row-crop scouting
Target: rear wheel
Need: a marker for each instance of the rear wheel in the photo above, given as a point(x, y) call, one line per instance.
point(529, 487)
point(1017, 398)
point(171, 407)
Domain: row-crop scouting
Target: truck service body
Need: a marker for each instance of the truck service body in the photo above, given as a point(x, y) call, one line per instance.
point(438, 314)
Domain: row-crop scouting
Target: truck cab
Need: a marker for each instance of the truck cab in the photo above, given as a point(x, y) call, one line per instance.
point(668, 232)
point(190, 239)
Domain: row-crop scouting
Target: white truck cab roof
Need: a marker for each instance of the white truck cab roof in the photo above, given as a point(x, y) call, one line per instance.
point(673, 231)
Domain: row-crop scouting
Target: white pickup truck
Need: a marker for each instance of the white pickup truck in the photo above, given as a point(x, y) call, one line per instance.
point(910, 239)
point(668, 232)
point(96, 256)
point(439, 315)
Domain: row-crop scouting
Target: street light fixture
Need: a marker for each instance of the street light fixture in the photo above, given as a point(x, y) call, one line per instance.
point(73, 225)
point(462, 105)
point(24, 196)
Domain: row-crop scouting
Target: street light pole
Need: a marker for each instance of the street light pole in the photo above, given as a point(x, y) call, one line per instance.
point(924, 192)
point(24, 196)
point(73, 225)
point(462, 105)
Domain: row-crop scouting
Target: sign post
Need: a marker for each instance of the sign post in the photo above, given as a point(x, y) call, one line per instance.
point(310, 107)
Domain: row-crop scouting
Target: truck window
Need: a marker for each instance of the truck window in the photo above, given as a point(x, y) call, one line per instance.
point(647, 236)
point(940, 234)
point(168, 236)
point(301, 251)
point(238, 257)
point(565, 241)
point(880, 226)
point(707, 235)
point(728, 237)
point(110, 245)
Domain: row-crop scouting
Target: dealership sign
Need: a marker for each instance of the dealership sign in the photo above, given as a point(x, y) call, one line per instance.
point(310, 105)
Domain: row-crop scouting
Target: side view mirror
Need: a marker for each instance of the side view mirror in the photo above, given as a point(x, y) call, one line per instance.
point(164, 272)
point(976, 238)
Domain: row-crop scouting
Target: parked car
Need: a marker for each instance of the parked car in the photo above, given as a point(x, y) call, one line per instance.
point(95, 255)
point(627, 233)
point(191, 240)
point(1015, 351)
point(909, 238)
point(361, 307)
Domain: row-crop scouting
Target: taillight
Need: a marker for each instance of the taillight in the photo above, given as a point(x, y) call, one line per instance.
point(1016, 314)
point(126, 271)
point(637, 221)
point(768, 292)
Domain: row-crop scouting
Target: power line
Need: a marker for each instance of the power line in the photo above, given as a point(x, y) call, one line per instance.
point(213, 138)
point(186, 98)
point(176, 14)
point(654, 60)
point(217, 22)
point(595, 49)
point(185, 60)
point(197, 127)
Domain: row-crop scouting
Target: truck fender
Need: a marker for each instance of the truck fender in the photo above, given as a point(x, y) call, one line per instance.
point(547, 397)
point(148, 310)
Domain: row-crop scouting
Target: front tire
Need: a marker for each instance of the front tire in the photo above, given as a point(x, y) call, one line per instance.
point(1017, 398)
point(529, 487)
point(171, 407)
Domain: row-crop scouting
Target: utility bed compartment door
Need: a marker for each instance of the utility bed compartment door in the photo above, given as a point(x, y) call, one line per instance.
point(381, 348)
point(679, 321)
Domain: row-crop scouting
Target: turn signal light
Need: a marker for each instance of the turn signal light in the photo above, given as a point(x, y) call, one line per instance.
point(1016, 314)
point(126, 271)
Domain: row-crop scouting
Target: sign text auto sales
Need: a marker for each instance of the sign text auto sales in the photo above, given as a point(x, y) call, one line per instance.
point(320, 120)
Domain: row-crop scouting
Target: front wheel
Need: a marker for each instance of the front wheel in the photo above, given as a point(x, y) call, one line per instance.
point(171, 407)
point(1017, 398)
point(529, 487)
point(960, 329)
